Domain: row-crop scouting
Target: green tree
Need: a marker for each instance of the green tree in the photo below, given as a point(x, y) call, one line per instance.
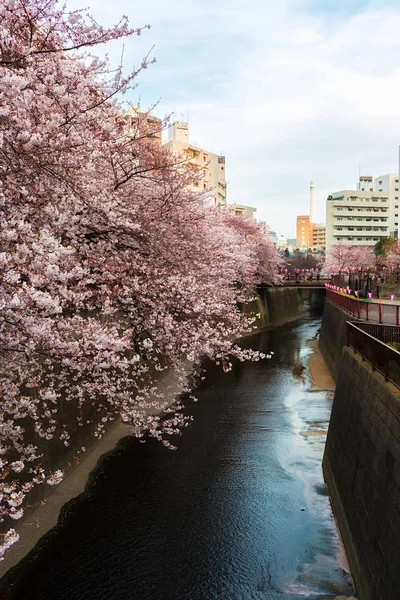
point(382, 247)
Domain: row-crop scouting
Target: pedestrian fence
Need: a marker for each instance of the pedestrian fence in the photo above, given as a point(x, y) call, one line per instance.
point(384, 312)
point(370, 341)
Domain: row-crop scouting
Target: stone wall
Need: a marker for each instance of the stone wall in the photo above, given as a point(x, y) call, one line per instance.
point(333, 336)
point(275, 304)
point(362, 469)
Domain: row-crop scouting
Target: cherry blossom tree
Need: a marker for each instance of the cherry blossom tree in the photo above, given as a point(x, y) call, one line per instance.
point(345, 257)
point(393, 257)
point(112, 271)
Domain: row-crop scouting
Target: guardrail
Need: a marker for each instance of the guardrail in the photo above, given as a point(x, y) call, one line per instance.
point(365, 310)
point(384, 333)
point(315, 283)
point(382, 358)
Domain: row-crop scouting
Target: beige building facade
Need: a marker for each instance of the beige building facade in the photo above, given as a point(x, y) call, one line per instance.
point(303, 230)
point(242, 210)
point(318, 236)
point(144, 125)
point(211, 166)
point(310, 235)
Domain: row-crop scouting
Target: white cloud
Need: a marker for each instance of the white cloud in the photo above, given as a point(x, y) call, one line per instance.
point(287, 94)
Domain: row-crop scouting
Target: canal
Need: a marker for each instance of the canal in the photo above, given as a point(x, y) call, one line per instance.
point(218, 519)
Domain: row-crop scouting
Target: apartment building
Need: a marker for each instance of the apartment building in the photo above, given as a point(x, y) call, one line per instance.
point(144, 125)
point(242, 210)
point(390, 184)
point(210, 165)
point(318, 236)
point(357, 217)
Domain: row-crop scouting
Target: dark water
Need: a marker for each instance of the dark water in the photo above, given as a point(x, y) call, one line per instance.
point(218, 519)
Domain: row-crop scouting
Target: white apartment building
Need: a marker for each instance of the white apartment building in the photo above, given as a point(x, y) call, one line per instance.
point(211, 166)
point(384, 183)
point(358, 217)
point(390, 184)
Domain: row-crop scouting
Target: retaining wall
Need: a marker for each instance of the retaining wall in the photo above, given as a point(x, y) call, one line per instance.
point(362, 469)
point(333, 336)
point(275, 304)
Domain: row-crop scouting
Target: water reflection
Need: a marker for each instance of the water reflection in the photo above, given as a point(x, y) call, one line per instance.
point(218, 519)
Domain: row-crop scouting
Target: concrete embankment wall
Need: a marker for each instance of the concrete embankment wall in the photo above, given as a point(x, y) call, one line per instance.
point(275, 304)
point(333, 336)
point(362, 469)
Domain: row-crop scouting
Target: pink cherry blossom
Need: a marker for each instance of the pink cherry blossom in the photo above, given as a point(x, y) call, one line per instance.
point(114, 274)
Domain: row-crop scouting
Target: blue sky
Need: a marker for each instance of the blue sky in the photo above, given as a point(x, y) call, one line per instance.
point(288, 90)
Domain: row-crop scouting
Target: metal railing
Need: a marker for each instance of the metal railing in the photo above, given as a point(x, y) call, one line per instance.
point(316, 283)
point(365, 310)
point(384, 333)
point(382, 358)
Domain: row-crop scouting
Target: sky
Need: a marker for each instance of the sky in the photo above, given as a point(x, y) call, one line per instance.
point(288, 90)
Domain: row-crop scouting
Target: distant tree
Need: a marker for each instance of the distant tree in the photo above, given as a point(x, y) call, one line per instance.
point(344, 257)
point(382, 247)
point(301, 260)
point(393, 256)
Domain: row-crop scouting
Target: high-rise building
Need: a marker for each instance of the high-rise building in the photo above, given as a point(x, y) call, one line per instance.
point(318, 236)
point(363, 216)
point(210, 165)
point(390, 184)
point(309, 233)
point(357, 218)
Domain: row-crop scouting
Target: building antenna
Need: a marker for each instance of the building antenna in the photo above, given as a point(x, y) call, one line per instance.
point(359, 171)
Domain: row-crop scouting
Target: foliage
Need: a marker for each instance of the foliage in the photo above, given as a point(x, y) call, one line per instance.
point(383, 246)
point(301, 260)
point(112, 271)
point(394, 345)
point(346, 257)
point(392, 258)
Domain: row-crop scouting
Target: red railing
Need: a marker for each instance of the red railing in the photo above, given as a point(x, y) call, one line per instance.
point(376, 312)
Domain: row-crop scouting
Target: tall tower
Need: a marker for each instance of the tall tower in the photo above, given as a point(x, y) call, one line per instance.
point(312, 202)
